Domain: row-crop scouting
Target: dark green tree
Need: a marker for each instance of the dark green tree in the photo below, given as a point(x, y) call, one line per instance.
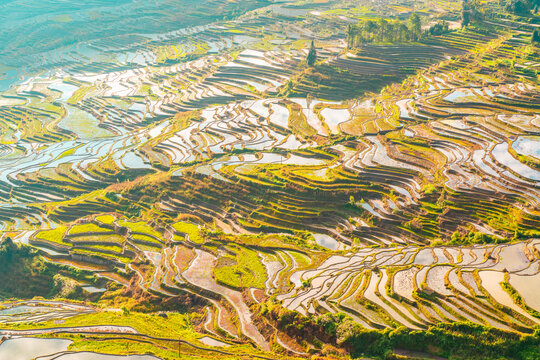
point(350, 36)
point(535, 38)
point(370, 28)
point(415, 26)
point(439, 28)
point(402, 32)
point(312, 54)
point(465, 13)
point(518, 7)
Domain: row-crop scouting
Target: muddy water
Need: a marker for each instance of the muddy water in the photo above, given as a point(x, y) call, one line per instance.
point(94, 356)
point(48, 349)
point(326, 241)
point(30, 348)
point(528, 145)
point(207, 340)
point(501, 154)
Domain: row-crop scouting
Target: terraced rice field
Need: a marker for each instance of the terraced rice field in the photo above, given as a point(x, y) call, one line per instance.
point(197, 189)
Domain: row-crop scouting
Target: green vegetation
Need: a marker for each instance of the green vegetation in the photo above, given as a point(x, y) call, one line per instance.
point(325, 179)
point(312, 55)
point(87, 228)
point(191, 231)
point(80, 94)
point(475, 237)
point(24, 274)
point(458, 340)
point(106, 219)
point(382, 30)
point(244, 270)
point(53, 235)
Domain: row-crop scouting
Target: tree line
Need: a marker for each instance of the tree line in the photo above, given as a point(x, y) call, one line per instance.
point(521, 7)
point(457, 340)
point(475, 10)
point(382, 30)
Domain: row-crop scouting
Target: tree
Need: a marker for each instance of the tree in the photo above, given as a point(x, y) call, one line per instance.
point(350, 36)
point(518, 7)
point(402, 31)
point(370, 28)
point(465, 14)
point(535, 38)
point(439, 28)
point(7, 248)
point(312, 54)
point(415, 26)
point(382, 25)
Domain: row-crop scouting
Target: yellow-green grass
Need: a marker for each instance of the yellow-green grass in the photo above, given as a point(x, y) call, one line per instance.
point(106, 219)
point(147, 239)
point(112, 238)
point(87, 228)
point(80, 94)
point(99, 254)
point(301, 259)
point(243, 271)
point(108, 247)
point(140, 227)
point(53, 235)
point(175, 326)
point(193, 232)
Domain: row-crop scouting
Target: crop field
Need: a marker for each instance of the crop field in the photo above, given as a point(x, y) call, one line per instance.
point(276, 180)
